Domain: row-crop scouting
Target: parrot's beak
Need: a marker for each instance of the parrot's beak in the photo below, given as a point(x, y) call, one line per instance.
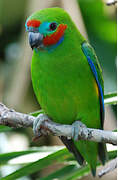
point(35, 40)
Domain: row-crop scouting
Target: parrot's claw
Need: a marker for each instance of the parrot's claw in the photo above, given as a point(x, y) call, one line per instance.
point(78, 128)
point(38, 125)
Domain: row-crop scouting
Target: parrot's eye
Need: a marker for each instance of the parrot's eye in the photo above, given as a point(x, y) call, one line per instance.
point(53, 26)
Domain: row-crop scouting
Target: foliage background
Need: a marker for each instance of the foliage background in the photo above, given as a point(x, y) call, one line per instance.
point(15, 83)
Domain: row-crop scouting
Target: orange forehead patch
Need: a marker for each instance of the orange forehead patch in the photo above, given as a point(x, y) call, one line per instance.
point(33, 23)
point(55, 37)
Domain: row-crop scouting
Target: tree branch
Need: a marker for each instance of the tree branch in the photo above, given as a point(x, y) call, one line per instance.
point(111, 2)
point(11, 118)
point(15, 119)
point(110, 166)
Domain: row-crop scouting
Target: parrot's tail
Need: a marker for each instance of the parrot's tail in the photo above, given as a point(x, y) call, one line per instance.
point(102, 152)
point(73, 149)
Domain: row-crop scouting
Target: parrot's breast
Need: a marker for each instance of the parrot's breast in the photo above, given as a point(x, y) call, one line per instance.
point(66, 89)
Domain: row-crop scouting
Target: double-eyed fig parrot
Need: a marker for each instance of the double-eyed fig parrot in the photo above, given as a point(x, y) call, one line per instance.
point(67, 78)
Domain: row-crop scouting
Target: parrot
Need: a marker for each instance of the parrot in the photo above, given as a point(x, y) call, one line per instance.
point(67, 79)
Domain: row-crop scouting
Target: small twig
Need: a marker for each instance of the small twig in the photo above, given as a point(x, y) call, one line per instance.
point(15, 119)
point(110, 166)
point(111, 2)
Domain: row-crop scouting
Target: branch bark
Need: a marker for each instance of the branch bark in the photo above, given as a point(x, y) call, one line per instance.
point(15, 119)
point(109, 167)
point(111, 2)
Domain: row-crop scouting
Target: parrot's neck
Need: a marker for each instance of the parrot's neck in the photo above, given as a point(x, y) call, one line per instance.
point(53, 47)
point(59, 57)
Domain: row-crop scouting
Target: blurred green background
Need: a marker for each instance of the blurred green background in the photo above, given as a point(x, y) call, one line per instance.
point(99, 21)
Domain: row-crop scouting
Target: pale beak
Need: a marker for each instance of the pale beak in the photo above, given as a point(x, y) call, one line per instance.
point(35, 39)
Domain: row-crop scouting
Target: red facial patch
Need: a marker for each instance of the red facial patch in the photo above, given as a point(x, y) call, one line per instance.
point(33, 23)
point(54, 38)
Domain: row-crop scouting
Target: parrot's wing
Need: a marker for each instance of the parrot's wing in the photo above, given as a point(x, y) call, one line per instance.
point(97, 72)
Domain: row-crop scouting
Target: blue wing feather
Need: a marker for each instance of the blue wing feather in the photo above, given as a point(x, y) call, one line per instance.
point(96, 77)
point(95, 68)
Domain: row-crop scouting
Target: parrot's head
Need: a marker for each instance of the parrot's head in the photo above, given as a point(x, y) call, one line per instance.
point(47, 28)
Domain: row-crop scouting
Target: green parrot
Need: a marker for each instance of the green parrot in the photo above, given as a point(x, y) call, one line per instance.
point(67, 79)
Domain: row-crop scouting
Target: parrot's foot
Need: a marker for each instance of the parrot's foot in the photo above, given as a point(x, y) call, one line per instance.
point(39, 128)
point(78, 130)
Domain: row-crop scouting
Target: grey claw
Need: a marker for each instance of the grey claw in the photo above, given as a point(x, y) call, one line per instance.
point(78, 128)
point(38, 123)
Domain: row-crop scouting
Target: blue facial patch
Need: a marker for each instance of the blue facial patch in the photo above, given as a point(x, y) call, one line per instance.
point(44, 28)
point(26, 26)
